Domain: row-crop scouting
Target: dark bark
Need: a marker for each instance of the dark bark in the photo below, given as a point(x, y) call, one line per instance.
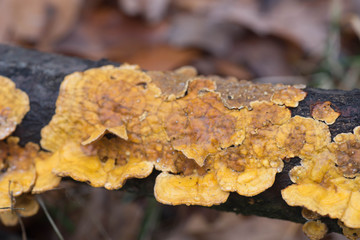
point(40, 74)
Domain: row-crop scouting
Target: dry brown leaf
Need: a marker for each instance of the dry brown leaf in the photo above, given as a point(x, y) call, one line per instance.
point(300, 22)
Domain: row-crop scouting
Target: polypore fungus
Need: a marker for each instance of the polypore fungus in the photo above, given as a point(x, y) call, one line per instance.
point(199, 124)
point(18, 174)
point(173, 84)
point(289, 96)
point(309, 215)
point(14, 104)
point(250, 168)
point(196, 186)
point(24, 206)
point(24, 169)
point(115, 123)
point(323, 111)
point(302, 136)
point(117, 100)
point(346, 147)
point(239, 94)
point(107, 99)
point(45, 178)
point(350, 233)
point(315, 230)
point(106, 163)
point(323, 185)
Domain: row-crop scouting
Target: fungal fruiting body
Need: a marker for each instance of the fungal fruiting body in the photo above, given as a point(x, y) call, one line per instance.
point(323, 111)
point(315, 230)
point(327, 182)
point(207, 135)
point(24, 206)
point(23, 170)
point(14, 104)
point(207, 139)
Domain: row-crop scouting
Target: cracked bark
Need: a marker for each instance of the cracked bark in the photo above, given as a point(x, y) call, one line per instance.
point(40, 74)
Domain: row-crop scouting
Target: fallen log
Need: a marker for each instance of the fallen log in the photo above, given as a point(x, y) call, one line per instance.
point(40, 75)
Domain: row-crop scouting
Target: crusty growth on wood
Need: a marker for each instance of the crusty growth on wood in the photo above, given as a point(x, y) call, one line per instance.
point(327, 182)
point(315, 230)
point(22, 169)
point(207, 135)
point(14, 104)
point(197, 188)
point(24, 206)
point(350, 233)
point(323, 111)
point(18, 173)
point(176, 121)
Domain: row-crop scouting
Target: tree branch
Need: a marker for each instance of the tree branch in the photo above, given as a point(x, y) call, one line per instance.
point(40, 74)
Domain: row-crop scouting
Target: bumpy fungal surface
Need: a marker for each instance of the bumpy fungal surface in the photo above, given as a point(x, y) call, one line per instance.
point(288, 96)
point(199, 124)
point(207, 135)
point(89, 106)
point(196, 186)
point(239, 94)
point(18, 174)
point(302, 136)
point(323, 111)
point(45, 178)
point(350, 233)
point(14, 104)
point(173, 84)
point(250, 168)
point(346, 148)
point(106, 163)
point(23, 170)
point(315, 230)
point(327, 181)
point(309, 215)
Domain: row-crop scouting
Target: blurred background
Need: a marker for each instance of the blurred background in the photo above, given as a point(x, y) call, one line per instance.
point(312, 42)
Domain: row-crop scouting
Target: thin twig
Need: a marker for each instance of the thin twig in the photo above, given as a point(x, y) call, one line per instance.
point(22, 226)
point(14, 211)
point(42, 205)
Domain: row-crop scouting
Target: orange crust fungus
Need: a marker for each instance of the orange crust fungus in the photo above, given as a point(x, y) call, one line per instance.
point(346, 147)
point(18, 172)
point(106, 163)
point(289, 96)
point(327, 181)
point(324, 112)
point(315, 230)
point(14, 104)
point(114, 123)
point(196, 186)
point(309, 215)
point(250, 168)
point(117, 100)
point(173, 84)
point(350, 233)
point(45, 178)
point(99, 101)
point(302, 136)
point(199, 124)
point(239, 94)
point(23, 170)
point(24, 206)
